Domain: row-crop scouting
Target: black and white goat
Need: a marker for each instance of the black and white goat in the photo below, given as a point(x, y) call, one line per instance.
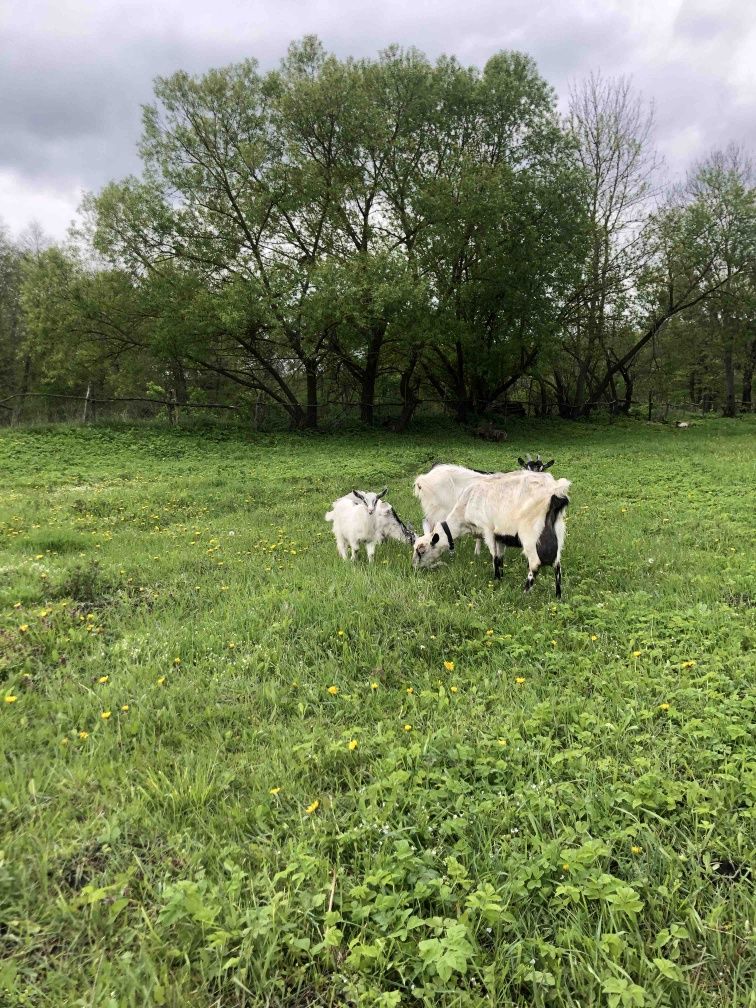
point(438, 490)
point(364, 518)
point(509, 509)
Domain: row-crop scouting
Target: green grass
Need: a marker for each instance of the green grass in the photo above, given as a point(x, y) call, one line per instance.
point(569, 821)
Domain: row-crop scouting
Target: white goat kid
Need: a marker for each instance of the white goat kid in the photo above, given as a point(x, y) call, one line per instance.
point(511, 509)
point(363, 518)
point(438, 490)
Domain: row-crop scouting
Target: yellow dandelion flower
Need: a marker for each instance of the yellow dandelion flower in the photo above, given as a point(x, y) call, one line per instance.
point(64, 741)
point(83, 734)
point(687, 664)
point(103, 679)
point(313, 807)
point(9, 698)
point(105, 715)
point(42, 613)
point(565, 867)
point(231, 645)
point(160, 680)
point(352, 745)
point(410, 689)
point(636, 654)
point(24, 627)
point(333, 690)
point(520, 680)
point(224, 587)
point(553, 643)
point(502, 741)
point(16, 605)
point(176, 661)
point(373, 685)
point(124, 707)
point(489, 633)
point(636, 849)
point(594, 636)
point(663, 706)
point(408, 727)
point(341, 633)
point(453, 689)
point(40, 556)
point(274, 790)
point(449, 666)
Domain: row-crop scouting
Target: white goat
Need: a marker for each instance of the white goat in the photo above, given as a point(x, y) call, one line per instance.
point(510, 509)
point(438, 490)
point(364, 518)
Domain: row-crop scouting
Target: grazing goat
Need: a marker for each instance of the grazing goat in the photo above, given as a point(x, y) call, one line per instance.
point(510, 509)
point(439, 488)
point(364, 518)
point(490, 433)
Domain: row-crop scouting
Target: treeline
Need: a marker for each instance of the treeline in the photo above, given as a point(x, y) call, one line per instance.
point(346, 234)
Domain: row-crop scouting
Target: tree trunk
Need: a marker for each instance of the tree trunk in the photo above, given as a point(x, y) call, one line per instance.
point(730, 406)
point(311, 414)
point(408, 390)
point(22, 392)
point(748, 368)
point(370, 375)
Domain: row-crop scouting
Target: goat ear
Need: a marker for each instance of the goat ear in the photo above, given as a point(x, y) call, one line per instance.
point(521, 460)
point(434, 538)
point(358, 495)
point(382, 493)
point(548, 464)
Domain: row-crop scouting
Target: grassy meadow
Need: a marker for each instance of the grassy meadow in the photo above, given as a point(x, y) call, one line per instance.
point(239, 771)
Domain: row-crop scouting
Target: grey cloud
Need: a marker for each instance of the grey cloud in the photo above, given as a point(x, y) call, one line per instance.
point(73, 81)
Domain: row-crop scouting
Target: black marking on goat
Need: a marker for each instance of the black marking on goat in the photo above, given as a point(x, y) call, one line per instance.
point(497, 563)
point(508, 540)
point(547, 545)
point(434, 538)
point(558, 579)
point(359, 496)
point(407, 530)
point(449, 536)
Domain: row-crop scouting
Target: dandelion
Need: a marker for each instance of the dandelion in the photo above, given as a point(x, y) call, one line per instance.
point(663, 706)
point(553, 643)
point(313, 807)
point(103, 679)
point(373, 685)
point(520, 680)
point(565, 867)
point(274, 790)
point(124, 708)
point(83, 734)
point(449, 666)
point(341, 633)
point(9, 698)
point(410, 690)
point(224, 587)
point(502, 741)
point(24, 627)
point(176, 661)
point(160, 680)
point(408, 727)
point(352, 744)
point(333, 690)
point(16, 605)
point(40, 556)
point(687, 664)
point(453, 689)
point(594, 636)
point(105, 715)
point(42, 613)
point(489, 633)
point(636, 654)
point(636, 849)
point(64, 741)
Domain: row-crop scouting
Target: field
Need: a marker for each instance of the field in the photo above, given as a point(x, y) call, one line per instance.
point(240, 771)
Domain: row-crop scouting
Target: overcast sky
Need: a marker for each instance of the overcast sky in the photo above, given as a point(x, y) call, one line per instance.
point(73, 73)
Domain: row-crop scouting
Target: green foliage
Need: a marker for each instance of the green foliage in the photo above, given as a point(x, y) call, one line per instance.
point(568, 818)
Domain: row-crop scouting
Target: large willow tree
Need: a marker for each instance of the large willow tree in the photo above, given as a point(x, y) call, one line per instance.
point(386, 220)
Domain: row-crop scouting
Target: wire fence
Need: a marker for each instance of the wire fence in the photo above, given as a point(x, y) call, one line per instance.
point(264, 413)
